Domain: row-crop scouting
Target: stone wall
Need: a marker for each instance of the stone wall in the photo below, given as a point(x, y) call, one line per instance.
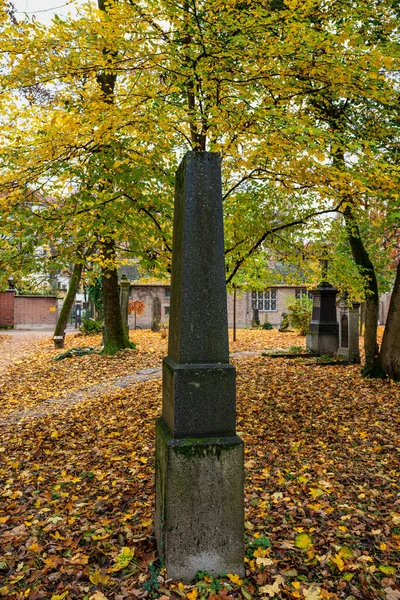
point(35, 312)
point(146, 293)
point(244, 313)
point(243, 309)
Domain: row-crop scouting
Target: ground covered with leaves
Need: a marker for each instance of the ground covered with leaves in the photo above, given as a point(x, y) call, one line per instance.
point(77, 486)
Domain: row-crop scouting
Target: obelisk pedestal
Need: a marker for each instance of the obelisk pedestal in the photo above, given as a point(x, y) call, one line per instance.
point(323, 334)
point(199, 515)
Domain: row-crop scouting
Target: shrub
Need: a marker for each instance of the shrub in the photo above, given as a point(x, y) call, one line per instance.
point(90, 326)
point(267, 326)
point(299, 312)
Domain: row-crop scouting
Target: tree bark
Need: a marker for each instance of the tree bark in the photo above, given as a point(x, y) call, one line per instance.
point(69, 299)
point(367, 271)
point(115, 337)
point(390, 350)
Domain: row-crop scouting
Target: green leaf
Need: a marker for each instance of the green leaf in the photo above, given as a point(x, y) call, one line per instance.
point(245, 593)
point(387, 570)
point(303, 541)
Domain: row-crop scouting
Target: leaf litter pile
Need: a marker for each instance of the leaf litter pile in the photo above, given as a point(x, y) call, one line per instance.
point(77, 485)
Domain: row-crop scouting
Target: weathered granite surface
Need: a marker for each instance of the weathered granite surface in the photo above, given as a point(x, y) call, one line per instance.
point(199, 516)
point(199, 519)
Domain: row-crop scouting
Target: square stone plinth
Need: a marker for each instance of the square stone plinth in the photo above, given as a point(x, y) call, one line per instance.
point(322, 343)
point(199, 400)
point(199, 516)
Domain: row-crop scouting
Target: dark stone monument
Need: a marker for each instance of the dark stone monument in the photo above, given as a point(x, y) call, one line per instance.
point(156, 320)
point(124, 287)
point(199, 516)
point(255, 321)
point(349, 331)
point(323, 334)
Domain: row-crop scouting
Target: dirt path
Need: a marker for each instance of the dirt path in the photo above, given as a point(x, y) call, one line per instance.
point(52, 405)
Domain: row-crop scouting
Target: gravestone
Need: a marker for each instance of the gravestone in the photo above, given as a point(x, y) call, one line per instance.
point(199, 516)
point(156, 320)
point(255, 322)
point(323, 334)
point(349, 331)
point(124, 287)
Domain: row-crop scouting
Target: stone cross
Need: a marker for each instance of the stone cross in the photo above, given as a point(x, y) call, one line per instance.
point(199, 516)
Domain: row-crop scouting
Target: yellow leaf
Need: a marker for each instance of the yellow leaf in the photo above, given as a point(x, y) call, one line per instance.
point(192, 595)
point(59, 596)
point(337, 560)
point(345, 552)
point(387, 570)
point(147, 523)
point(303, 541)
point(79, 559)
point(260, 552)
point(123, 559)
point(97, 578)
point(235, 579)
point(296, 584)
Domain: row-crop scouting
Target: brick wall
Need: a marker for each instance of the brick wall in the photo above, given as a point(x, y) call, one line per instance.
point(35, 312)
point(7, 308)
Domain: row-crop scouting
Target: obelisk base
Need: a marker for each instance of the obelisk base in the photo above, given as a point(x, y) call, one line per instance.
point(199, 516)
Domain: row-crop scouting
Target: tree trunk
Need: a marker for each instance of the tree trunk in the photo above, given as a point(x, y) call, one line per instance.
point(69, 299)
point(115, 337)
point(367, 271)
point(390, 350)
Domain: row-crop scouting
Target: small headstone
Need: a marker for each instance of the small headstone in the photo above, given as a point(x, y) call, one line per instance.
point(255, 322)
point(349, 348)
point(199, 518)
point(323, 334)
point(156, 320)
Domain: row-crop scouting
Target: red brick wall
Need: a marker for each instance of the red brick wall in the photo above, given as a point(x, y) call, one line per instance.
point(7, 308)
point(35, 310)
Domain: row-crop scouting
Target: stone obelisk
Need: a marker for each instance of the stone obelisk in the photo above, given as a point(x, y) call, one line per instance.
point(199, 515)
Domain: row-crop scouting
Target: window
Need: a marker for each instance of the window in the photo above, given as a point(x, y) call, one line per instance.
point(300, 292)
point(266, 301)
point(167, 292)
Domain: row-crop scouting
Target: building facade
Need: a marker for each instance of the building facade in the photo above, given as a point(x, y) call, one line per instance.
point(271, 304)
